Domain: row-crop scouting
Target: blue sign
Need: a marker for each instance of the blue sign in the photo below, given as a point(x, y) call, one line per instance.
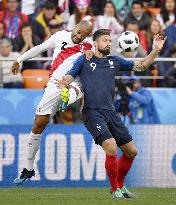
point(68, 157)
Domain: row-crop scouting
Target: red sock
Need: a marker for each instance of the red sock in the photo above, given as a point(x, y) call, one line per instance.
point(111, 170)
point(124, 165)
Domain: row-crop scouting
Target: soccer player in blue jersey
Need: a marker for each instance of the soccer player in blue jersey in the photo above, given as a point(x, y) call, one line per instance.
point(98, 83)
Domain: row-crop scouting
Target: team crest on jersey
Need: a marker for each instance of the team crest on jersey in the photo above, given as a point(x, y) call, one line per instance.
point(111, 63)
point(82, 49)
point(93, 66)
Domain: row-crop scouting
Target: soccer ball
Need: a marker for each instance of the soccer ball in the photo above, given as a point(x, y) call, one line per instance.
point(128, 41)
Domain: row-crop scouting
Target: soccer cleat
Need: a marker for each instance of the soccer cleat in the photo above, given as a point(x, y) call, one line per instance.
point(117, 194)
point(25, 175)
point(126, 193)
point(63, 104)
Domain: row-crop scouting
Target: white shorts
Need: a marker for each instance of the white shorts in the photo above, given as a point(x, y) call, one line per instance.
point(49, 103)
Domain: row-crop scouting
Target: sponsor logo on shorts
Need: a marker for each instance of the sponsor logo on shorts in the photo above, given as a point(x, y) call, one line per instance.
point(98, 127)
point(38, 109)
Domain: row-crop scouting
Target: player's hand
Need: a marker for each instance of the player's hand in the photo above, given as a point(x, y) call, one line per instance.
point(66, 80)
point(89, 54)
point(15, 68)
point(61, 84)
point(158, 42)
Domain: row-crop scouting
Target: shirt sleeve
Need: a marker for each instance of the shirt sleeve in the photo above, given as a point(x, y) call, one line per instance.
point(35, 51)
point(143, 98)
point(77, 67)
point(125, 65)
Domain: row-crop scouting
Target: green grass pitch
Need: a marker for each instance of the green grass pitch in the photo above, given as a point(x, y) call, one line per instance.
point(83, 196)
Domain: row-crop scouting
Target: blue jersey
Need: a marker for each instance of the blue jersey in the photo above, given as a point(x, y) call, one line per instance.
point(98, 79)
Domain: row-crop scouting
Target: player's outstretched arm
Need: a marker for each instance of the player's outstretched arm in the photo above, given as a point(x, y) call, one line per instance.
point(148, 60)
point(33, 52)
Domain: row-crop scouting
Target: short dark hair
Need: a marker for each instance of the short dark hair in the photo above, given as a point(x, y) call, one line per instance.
point(137, 2)
point(100, 33)
point(133, 22)
point(49, 5)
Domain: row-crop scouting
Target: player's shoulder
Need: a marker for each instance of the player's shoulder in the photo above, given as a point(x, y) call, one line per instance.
point(80, 61)
point(120, 59)
point(117, 57)
point(82, 58)
point(61, 34)
point(87, 41)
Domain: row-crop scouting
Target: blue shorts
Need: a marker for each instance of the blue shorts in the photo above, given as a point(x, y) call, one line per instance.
point(106, 124)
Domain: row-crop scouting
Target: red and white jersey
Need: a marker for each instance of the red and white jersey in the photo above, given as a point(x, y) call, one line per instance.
point(65, 52)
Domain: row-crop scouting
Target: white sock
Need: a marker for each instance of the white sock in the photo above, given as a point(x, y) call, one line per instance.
point(72, 96)
point(33, 146)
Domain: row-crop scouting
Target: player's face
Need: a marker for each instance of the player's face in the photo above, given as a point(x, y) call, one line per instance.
point(103, 44)
point(79, 34)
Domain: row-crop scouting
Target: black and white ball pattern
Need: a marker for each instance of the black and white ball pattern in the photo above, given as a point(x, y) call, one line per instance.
point(128, 41)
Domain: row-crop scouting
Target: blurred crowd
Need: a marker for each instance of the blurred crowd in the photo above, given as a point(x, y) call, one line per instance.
point(27, 23)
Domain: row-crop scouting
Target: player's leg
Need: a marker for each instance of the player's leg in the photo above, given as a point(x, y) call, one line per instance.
point(124, 164)
point(33, 145)
point(96, 124)
point(110, 148)
point(34, 139)
point(124, 141)
point(45, 109)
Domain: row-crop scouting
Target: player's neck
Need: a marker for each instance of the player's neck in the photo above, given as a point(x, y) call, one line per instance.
point(100, 55)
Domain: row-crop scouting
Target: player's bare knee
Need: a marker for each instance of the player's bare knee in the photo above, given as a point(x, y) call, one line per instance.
point(40, 124)
point(131, 153)
point(110, 147)
point(113, 150)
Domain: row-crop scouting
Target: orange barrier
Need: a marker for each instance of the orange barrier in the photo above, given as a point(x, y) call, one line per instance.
point(35, 78)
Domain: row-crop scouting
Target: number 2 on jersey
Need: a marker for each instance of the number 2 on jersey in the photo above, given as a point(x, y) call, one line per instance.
point(63, 45)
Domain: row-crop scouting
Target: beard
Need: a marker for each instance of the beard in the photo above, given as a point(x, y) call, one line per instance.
point(104, 51)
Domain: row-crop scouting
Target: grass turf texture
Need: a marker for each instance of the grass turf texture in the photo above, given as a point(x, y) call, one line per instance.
point(84, 196)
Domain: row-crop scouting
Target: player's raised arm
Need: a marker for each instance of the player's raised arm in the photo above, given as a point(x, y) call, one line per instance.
point(148, 60)
point(33, 52)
